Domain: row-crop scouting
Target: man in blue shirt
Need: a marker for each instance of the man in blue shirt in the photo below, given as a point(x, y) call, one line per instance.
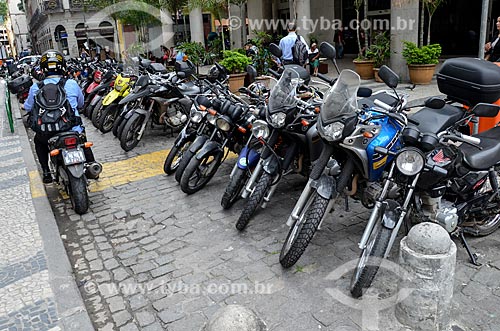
point(53, 65)
point(287, 43)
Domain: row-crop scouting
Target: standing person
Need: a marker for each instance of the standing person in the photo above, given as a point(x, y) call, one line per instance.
point(314, 59)
point(287, 44)
point(54, 66)
point(492, 48)
point(338, 39)
point(84, 54)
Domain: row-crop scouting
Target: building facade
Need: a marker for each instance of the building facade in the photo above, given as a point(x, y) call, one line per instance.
point(68, 25)
point(20, 38)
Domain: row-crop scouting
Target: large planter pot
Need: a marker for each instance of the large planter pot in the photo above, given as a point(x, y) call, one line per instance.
point(375, 73)
point(236, 81)
point(364, 68)
point(421, 74)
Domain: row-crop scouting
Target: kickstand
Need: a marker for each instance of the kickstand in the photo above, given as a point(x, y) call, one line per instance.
point(346, 203)
point(472, 256)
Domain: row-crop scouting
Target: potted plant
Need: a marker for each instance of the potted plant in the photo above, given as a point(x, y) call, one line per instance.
point(380, 52)
point(363, 63)
point(236, 64)
point(421, 61)
point(195, 52)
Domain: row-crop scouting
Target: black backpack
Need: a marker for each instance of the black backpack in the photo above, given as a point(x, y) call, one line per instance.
point(52, 112)
point(299, 52)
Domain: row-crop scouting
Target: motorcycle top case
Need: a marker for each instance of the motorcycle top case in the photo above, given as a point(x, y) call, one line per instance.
point(182, 66)
point(20, 84)
point(469, 81)
point(157, 68)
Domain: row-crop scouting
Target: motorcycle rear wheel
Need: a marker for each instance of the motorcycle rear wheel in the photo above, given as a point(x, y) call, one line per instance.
point(78, 194)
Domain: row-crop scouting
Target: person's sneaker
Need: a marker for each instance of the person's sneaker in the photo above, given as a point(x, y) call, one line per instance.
point(47, 177)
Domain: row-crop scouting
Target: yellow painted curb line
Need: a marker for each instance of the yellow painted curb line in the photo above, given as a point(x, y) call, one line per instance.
point(36, 185)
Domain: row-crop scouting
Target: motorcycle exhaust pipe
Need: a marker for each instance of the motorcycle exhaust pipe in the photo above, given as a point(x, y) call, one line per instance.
point(94, 170)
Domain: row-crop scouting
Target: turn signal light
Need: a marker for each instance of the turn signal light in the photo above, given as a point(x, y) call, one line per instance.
point(317, 110)
point(55, 152)
point(368, 134)
point(202, 107)
point(88, 144)
point(242, 129)
point(304, 123)
point(212, 112)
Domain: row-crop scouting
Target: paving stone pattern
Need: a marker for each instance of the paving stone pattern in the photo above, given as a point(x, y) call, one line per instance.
point(26, 298)
point(148, 257)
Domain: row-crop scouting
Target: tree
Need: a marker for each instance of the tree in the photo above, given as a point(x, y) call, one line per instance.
point(218, 8)
point(431, 6)
point(174, 7)
point(357, 7)
point(4, 10)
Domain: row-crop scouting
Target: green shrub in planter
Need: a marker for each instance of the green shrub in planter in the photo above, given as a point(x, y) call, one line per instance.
point(235, 62)
point(421, 55)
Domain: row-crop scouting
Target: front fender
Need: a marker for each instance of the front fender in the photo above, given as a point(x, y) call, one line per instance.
point(138, 110)
point(325, 186)
point(76, 170)
point(271, 165)
point(209, 147)
point(184, 136)
point(253, 158)
point(391, 210)
point(198, 143)
point(110, 97)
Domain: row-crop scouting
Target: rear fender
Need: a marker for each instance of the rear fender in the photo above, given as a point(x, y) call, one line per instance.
point(325, 186)
point(207, 149)
point(253, 158)
point(198, 143)
point(76, 170)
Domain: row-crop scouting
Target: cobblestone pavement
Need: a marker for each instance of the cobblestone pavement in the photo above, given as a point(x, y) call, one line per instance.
point(148, 257)
point(26, 298)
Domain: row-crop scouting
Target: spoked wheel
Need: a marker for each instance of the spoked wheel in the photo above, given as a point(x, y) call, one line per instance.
point(255, 200)
point(130, 135)
point(174, 157)
point(233, 189)
point(199, 172)
point(370, 259)
point(107, 118)
point(302, 232)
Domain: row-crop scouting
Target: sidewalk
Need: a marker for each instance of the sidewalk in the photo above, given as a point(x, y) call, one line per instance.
point(37, 287)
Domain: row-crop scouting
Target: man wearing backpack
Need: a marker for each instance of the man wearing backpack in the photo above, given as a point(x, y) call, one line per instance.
point(294, 47)
point(64, 118)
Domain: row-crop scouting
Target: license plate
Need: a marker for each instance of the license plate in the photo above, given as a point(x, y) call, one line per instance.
point(73, 156)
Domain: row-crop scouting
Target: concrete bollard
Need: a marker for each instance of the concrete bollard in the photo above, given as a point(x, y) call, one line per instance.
point(428, 254)
point(235, 318)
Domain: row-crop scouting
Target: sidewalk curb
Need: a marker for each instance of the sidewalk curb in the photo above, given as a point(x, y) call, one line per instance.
point(70, 307)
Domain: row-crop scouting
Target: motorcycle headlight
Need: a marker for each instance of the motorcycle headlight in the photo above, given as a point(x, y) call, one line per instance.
point(118, 87)
point(211, 119)
point(410, 162)
point(196, 117)
point(278, 120)
point(260, 129)
point(223, 123)
point(333, 132)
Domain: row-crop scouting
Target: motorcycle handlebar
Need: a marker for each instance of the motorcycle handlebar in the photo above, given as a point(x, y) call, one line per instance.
point(326, 79)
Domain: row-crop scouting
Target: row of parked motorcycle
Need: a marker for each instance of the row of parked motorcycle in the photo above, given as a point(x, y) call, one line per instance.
point(349, 142)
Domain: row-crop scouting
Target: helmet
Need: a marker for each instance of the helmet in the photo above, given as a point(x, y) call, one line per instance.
point(52, 62)
point(213, 73)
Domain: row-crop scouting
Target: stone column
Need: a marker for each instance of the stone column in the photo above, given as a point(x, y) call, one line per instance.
point(167, 29)
point(302, 13)
point(428, 257)
point(237, 26)
point(196, 26)
point(404, 26)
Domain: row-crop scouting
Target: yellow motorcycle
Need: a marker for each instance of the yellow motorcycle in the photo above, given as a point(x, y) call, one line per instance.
point(110, 108)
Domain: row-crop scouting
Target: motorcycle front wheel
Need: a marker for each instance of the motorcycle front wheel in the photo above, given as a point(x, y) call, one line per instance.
point(107, 118)
point(370, 260)
point(200, 171)
point(233, 189)
point(78, 194)
point(255, 200)
point(96, 114)
point(129, 138)
point(303, 230)
point(174, 157)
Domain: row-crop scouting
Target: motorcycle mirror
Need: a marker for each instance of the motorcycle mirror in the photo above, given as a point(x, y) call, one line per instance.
point(275, 50)
point(327, 50)
point(242, 90)
point(364, 92)
point(389, 77)
point(435, 103)
point(486, 110)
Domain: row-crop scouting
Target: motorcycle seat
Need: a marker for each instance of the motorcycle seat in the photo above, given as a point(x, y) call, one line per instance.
point(436, 120)
point(487, 157)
